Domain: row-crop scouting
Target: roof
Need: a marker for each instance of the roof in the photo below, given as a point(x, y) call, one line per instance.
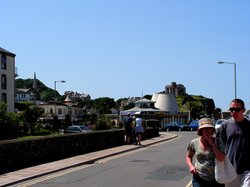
point(137, 109)
point(68, 100)
point(23, 90)
point(3, 51)
point(144, 100)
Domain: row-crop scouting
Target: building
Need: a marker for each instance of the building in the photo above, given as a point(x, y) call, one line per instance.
point(175, 89)
point(24, 95)
point(166, 102)
point(8, 74)
point(68, 107)
point(75, 95)
point(143, 106)
point(27, 94)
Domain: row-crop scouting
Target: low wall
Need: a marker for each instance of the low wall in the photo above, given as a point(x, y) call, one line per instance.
point(17, 154)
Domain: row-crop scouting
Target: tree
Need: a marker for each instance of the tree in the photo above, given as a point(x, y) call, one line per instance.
point(247, 113)
point(8, 123)
point(104, 104)
point(217, 113)
point(31, 115)
point(147, 96)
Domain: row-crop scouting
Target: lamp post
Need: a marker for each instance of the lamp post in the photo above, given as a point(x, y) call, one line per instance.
point(62, 81)
point(235, 87)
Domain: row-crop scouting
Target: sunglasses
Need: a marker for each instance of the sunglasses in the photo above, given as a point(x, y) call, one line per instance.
point(235, 109)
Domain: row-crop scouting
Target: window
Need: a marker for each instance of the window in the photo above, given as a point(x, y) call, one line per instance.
point(4, 81)
point(3, 62)
point(59, 111)
point(4, 97)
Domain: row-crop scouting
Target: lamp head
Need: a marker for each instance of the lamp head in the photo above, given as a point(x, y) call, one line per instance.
point(220, 62)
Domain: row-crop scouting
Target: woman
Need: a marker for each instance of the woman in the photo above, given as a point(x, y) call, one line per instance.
point(138, 130)
point(205, 149)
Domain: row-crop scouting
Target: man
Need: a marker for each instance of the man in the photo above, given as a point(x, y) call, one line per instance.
point(128, 128)
point(235, 134)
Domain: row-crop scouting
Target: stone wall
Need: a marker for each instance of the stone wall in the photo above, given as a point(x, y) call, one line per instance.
point(17, 154)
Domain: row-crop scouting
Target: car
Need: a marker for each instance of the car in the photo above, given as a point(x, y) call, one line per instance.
point(76, 129)
point(218, 123)
point(175, 126)
point(194, 125)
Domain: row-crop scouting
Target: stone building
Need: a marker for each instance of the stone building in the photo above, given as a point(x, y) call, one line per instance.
point(175, 89)
point(8, 74)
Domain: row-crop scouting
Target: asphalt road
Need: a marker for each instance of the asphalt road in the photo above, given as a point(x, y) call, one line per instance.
point(158, 165)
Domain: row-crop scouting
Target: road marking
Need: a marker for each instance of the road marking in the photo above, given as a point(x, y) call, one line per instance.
point(189, 184)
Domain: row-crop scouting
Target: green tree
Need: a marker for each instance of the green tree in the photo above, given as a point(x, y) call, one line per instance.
point(217, 113)
point(103, 104)
point(8, 123)
point(103, 123)
point(31, 115)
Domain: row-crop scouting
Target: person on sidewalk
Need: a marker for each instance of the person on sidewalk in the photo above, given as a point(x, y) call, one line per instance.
point(205, 148)
point(235, 134)
point(128, 126)
point(138, 129)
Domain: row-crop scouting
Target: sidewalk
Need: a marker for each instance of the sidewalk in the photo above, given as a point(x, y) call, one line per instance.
point(43, 169)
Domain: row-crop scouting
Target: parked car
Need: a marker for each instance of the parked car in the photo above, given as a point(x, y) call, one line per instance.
point(194, 124)
point(77, 128)
point(218, 123)
point(175, 126)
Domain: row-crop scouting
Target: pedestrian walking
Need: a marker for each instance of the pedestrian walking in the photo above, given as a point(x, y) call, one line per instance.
point(205, 148)
point(235, 134)
point(138, 129)
point(128, 126)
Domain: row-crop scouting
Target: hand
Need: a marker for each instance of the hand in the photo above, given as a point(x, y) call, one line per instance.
point(210, 141)
point(208, 136)
point(193, 170)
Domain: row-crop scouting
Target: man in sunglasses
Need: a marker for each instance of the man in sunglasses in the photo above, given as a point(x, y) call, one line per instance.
point(235, 134)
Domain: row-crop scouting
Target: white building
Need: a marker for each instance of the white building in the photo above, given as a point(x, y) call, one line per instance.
point(62, 109)
point(7, 73)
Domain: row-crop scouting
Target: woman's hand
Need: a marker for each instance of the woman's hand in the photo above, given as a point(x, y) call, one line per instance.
point(192, 170)
point(207, 133)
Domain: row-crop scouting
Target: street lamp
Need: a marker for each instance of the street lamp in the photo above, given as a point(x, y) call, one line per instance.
point(235, 88)
point(62, 81)
point(56, 82)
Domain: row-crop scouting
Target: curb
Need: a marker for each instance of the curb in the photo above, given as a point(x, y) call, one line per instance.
point(108, 153)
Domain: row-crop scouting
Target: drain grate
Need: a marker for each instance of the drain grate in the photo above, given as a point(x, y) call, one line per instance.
point(170, 172)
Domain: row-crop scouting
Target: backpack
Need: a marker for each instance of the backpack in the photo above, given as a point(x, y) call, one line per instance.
point(127, 122)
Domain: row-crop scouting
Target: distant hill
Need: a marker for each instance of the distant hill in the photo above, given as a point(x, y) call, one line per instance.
point(28, 83)
point(197, 105)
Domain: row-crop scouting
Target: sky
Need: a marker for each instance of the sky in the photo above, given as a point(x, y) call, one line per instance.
point(130, 48)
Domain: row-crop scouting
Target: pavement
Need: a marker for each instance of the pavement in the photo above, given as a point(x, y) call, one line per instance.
point(15, 177)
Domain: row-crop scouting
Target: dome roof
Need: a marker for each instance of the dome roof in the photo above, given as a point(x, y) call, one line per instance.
point(68, 100)
point(167, 102)
point(154, 97)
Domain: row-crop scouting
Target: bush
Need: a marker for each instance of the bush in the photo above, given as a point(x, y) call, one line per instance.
point(102, 123)
point(40, 130)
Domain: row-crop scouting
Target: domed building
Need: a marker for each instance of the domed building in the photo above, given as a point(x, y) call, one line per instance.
point(166, 102)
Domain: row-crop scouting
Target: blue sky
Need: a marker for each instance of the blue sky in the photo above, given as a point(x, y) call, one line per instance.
point(126, 48)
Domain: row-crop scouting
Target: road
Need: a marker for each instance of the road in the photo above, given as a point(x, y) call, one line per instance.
point(158, 165)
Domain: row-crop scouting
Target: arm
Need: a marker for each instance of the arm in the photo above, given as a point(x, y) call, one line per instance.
point(189, 157)
point(218, 153)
